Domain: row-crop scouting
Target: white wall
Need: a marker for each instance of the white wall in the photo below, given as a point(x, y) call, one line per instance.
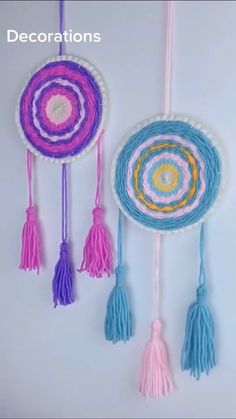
point(56, 363)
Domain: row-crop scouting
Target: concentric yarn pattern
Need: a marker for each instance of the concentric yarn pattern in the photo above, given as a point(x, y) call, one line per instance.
point(62, 108)
point(167, 175)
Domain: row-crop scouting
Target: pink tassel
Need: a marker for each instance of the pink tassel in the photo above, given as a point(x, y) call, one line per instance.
point(97, 253)
point(30, 250)
point(155, 379)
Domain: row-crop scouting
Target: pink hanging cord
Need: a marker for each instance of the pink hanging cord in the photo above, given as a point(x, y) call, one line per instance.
point(99, 169)
point(168, 56)
point(30, 250)
point(97, 252)
point(155, 378)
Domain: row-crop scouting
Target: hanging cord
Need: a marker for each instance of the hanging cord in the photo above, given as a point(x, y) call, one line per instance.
point(29, 174)
point(64, 202)
point(202, 275)
point(168, 57)
point(61, 26)
point(157, 276)
point(120, 240)
point(99, 170)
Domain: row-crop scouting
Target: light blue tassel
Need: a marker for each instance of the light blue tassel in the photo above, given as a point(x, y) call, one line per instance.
point(198, 353)
point(119, 321)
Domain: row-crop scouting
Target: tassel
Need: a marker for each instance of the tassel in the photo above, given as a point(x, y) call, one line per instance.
point(155, 379)
point(30, 241)
point(30, 249)
point(198, 353)
point(118, 321)
point(62, 285)
point(97, 253)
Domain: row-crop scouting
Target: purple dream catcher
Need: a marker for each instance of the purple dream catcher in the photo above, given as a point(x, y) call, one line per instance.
point(62, 109)
point(60, 116)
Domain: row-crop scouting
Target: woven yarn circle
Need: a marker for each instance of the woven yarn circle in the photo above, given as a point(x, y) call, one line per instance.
point(167, 175)
point(62, 108)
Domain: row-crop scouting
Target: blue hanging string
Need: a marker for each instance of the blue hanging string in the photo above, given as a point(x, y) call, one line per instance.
point(198, 353)
point(119, 239)
point(202, 276)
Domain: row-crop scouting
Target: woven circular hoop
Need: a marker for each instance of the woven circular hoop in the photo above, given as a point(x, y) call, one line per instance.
point(62, 108)
point(167, 175)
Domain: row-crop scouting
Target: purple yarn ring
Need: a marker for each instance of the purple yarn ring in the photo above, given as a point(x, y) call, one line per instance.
point(62, 108)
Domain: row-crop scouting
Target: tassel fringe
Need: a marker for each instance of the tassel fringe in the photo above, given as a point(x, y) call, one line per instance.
point(198, 353)
point(30, 249)
point(97, 253)
point(155, 379)
point(119, 321)
point(62, 285)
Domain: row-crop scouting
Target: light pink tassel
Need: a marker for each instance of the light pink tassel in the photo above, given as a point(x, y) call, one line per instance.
point(30, 250)
point(97, 253)
point(155, 377)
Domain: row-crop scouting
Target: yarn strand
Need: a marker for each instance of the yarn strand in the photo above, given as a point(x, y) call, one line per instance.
point(155, 378)
point(198, 352)
point(97, 252)
point(119, 324)
point(63, 280)
point(30, 248)
point(168, 56)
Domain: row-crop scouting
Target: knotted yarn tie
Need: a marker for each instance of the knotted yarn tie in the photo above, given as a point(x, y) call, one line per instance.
point(97, 252)
point(155, 329)
point(64, 249)
point(30, 248)
point(201, 294)
point(98, 215)
point(198, 352)
point(119, 324)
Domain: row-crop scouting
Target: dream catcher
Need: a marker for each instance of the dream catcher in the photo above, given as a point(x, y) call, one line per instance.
point(166, 178)
point(60, 117)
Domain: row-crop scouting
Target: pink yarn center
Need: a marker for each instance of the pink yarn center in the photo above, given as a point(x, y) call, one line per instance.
point(58, 109)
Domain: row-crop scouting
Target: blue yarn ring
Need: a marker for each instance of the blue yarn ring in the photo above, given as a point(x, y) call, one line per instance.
point(167, 175)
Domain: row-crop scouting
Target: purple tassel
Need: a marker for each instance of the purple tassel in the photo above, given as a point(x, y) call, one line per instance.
point(97, 253)
point(62, 285)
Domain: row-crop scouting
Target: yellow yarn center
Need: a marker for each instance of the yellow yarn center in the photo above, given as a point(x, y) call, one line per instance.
point(165, 177)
